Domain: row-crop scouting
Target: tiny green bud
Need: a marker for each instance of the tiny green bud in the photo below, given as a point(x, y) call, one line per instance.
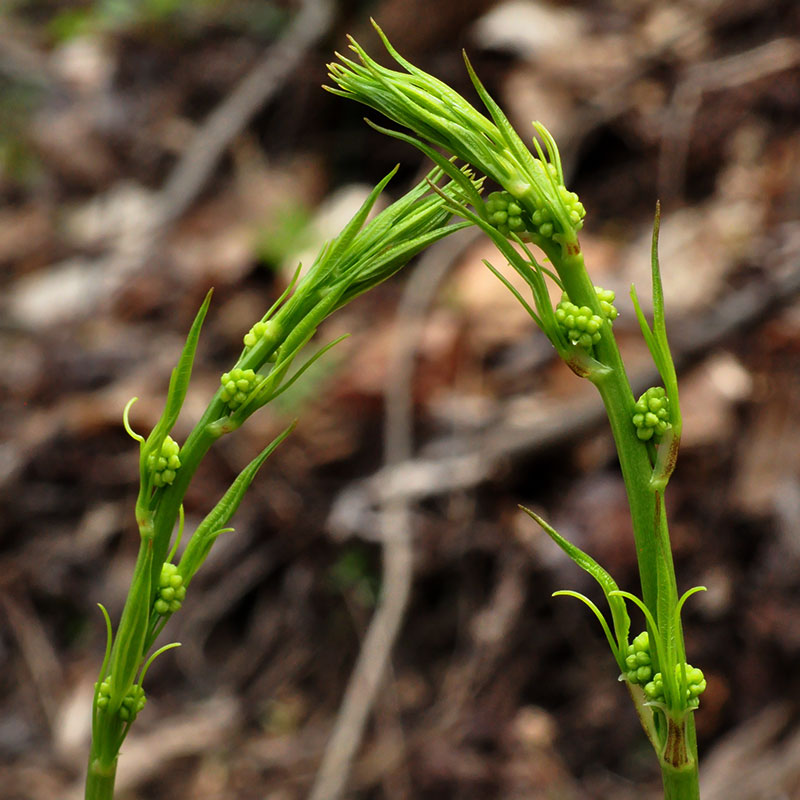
point(171, 591)
point(104, 694)
point(655, 688)
point(651, 414)
point(695, 685)
point(505, 213)
point(165, 464)
point(133, 702)
point(606, 298)
point(575, 210)
point(580, 324)
point(637, 660)
point(236, 386)
point(269, 329)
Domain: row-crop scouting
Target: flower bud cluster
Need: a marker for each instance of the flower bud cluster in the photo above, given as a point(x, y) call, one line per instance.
point(651, 414)
point(165, 465)
point(695, 685)
point(236, 386)
point(581, 325)
point(637, 660)
point(572, 203)
point(171, 591)
point(505, 213)
point(259, 331)
point(132, 704)
point(543, 217)
point(606, 298)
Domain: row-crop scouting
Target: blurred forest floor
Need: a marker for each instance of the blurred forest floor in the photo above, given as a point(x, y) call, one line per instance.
point(150, 150)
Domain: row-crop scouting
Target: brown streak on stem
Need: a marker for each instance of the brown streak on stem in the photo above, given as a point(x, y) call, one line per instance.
point(578, 368)
point(675, 753)
point(672, 456)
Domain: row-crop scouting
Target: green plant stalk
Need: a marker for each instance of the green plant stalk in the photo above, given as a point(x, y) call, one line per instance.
point(363, 255)
point(439, 117)
point(100, 780)
point(654, 555)
point(101, 774)
point(617, 395)
point(680, 780)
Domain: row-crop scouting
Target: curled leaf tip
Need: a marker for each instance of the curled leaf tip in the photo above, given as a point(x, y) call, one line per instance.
point(130, 431)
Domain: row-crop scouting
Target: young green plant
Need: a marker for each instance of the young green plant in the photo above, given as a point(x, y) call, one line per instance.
point(535, 208)
point(362, 256)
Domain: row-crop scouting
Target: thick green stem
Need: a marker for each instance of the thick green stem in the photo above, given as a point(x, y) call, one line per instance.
point(100, 780)
point(681, 780)
point(657, 574)
point(680, 784)
point(617, 395)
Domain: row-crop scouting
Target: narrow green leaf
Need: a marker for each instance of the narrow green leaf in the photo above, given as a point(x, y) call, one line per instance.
point(343, 241)
point(127, 650)
point(445, 164)
point(103, 669)
point(615, 649)
point(684, 597)
point(510, 137)
point(319, 354)
point(200, 543)
point(655, 637)
point(176, 545)
point(126, 423)
point(553, 156)
point(178, 385)
point(153, 657)
point(619, 613)
point(658, 291)
point(520, 299)
point(647, 333)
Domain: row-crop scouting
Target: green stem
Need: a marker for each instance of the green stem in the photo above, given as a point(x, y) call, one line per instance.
point(680, 784)
point(100, 780)
point(651, 534)
point(679, 761)
point(617, 395)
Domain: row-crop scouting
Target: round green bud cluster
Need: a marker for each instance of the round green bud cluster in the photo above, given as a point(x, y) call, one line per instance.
point(171, 591)
point(165, 465)
point(236, 386)
point(133, 703)
point(651, 414)
point(581, 325)
point(695, 685)
point(606, 298)
point(575, 209)
point(542, 217)
point(505, 213)
point(637, 660)
point(259, 331)
point(542, 220)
